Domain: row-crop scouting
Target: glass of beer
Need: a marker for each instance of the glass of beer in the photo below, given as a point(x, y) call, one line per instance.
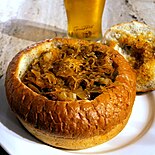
point(84, 18)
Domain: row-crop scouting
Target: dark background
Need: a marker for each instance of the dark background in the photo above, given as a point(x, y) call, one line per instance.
point(2, 151)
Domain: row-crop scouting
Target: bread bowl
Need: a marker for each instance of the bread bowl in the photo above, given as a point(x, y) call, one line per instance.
point(97, 109)
point(136, 42)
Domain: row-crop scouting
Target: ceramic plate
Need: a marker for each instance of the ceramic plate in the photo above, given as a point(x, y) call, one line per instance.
point(138, 137)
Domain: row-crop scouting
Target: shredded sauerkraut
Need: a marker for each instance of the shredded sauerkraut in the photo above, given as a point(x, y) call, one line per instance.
point(137, 49)
point(78, 72)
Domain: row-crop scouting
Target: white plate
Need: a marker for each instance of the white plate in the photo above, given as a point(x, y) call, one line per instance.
point(138, 137)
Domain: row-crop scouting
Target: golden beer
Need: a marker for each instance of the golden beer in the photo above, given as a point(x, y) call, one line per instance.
point(84, 18)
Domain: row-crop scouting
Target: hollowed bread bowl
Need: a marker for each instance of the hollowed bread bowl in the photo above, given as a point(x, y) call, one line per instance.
point(84, 112)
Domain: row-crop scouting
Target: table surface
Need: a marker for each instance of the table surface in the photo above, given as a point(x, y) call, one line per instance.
point(23, 22)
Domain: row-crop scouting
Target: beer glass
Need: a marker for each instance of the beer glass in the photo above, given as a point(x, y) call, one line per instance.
point(84, 18)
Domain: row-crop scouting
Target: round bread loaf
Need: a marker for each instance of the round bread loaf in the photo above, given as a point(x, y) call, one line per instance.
point(136, 42)
point(71, 93)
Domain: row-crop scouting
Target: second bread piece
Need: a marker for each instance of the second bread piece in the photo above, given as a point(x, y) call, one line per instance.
point(136, 42)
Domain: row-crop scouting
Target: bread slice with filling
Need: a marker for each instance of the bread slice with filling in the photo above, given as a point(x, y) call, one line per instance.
point(136, 42)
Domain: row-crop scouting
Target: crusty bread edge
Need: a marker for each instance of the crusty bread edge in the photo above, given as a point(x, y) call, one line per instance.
point(74, 144)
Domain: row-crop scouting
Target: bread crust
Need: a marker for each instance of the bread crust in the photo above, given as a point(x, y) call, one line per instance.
point(70, 121)
point(140, 38)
